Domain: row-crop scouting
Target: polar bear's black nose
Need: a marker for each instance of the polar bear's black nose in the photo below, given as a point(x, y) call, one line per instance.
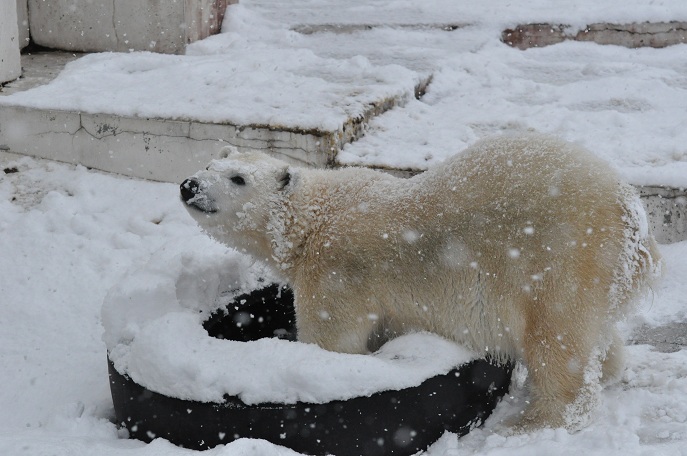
point(189, 189)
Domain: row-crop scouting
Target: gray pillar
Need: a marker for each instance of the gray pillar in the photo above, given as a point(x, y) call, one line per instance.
point(23, 22)
point(10, 64)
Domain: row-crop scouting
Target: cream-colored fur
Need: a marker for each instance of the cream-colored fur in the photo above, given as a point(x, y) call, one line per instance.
point(524, 248)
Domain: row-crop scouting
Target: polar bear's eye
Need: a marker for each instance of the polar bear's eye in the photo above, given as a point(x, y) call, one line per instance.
point(238, 180)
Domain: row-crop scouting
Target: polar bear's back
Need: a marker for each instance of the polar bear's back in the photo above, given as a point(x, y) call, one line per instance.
point(523, 173)
point(502, 198)
point(515, 195)
point(525, 208)
point(533, 206)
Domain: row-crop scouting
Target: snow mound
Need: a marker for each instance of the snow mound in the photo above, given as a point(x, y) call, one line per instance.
point(154, 334)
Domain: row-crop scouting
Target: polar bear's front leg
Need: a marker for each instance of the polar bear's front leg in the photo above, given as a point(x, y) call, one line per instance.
point(333, 326)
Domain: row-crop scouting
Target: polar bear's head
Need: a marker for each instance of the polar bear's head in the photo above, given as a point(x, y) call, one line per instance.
point(233, 198)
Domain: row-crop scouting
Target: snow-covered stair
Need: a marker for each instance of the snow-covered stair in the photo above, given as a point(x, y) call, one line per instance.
point(163, 117)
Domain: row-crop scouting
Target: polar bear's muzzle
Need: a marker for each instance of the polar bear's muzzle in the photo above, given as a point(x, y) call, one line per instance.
point(192, 194)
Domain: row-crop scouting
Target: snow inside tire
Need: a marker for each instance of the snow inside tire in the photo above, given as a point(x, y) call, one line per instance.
point(388, 421)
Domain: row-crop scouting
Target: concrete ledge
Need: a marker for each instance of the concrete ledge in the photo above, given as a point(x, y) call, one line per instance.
point(646, 34)
point(667, 212)
point(38, 68)
point(308, 29)
point(156, 149)
point(167, 150)
point(667, 339)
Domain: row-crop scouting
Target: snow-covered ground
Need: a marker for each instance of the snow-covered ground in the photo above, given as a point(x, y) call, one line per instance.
point(68, 235)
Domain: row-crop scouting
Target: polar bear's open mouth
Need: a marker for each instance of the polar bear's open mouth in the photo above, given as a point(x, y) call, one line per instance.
point(194, 196)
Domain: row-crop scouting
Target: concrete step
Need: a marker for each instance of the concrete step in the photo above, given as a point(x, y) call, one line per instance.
point(158, 148)
point(666, 212)
point(162, 149)
point(38, 68)
point(309, 29)
point(669, 338)
point(634, 35)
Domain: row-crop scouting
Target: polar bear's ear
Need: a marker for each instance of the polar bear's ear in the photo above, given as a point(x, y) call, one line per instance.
point(284, 178)
point(226, 151)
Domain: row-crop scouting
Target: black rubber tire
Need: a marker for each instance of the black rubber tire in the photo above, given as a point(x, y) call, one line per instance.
point(390, 422)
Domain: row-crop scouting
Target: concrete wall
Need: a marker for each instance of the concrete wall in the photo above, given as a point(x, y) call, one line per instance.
point(23, 22)
point(667, 212)
point(10, 65)
point(165, 26)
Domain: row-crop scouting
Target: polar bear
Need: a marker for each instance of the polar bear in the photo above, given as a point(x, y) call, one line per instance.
point(520, 247)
